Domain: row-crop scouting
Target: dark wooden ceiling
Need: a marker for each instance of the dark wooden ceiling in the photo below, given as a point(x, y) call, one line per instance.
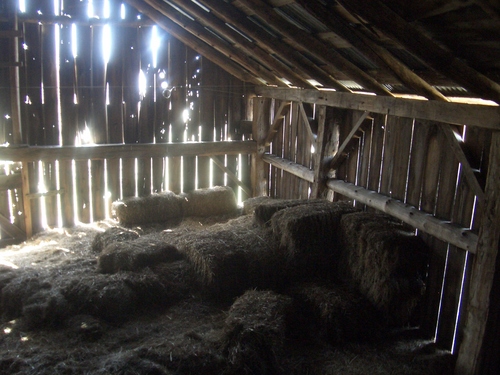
point(434, 48)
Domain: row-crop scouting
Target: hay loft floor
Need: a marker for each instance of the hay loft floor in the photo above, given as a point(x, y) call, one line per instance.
point(69, 309)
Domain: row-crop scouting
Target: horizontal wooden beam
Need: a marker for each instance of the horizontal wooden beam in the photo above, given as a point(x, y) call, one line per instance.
point(290, 167)
point(443, 230)
point(52, 153)
point(483, 116)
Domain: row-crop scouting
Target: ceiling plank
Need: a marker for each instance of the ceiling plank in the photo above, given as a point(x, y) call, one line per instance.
point(332, 60)
point(197, 45)
point(391, 24)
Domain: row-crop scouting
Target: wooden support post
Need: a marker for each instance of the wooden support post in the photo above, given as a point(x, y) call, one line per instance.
point(26, 201)
point(483, 270)
point(259, 180)
point(322, 140)
point(312, 136)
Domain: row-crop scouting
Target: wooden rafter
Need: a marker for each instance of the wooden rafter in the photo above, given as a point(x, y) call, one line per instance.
point(394, 26)
point(197, 45)
point(300, 64)
point(198, 31)
point(250, 48)
point(330, 58)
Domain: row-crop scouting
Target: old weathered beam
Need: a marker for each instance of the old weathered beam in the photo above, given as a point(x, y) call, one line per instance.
point(196, 44)
point(322, 141)
point(394, 26)
point(487, 117)
point(290, 167)
point(443, 230)
point(483, 270)
point(52, 153)
point(305, 120)
point(10, 228)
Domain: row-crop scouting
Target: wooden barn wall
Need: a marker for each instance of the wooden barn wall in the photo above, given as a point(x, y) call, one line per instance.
point(70, 98)
point(409, 160)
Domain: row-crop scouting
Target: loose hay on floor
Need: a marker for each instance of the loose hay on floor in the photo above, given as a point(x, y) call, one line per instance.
point(255, 332)
point(232, 257)
point(137, 254)
point(219, 200)
point(160, 207)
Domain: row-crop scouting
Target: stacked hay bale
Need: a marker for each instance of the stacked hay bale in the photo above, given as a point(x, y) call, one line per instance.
point(264, 210)
point(334, 313)
point(112, 235)
point(229, 258)
point(385, 261)
point(219, 200)
point(251, 204)
point(308, 234)
point(255, 333)
point(153, 208)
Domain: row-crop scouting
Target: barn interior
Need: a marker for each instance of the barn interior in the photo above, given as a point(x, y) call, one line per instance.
point(249, 187)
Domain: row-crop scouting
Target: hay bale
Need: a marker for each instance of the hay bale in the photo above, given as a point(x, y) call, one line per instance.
point(335, 313)
point(309, 234)
point(231, 257)
point(386, 262)
point(135, 255)
point(153, 208)
point(112, 235)
point(251, 203)
point(219, 200)
point(268, 207)
point(255, 332)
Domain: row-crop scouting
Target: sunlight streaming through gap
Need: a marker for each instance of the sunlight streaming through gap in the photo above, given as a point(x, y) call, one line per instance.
point(155, 45)
point(22, 6)
point(122, 12)
point(106, 9)
point(75, 202)
point(106, 43)
point(90, 9)
point(74, 41)
point(42, 189)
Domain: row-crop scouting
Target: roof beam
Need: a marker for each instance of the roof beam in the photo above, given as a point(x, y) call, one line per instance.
point(197, 45)
point(395, 27)
point(332, 60)
point(482, 116)
point(232, 15)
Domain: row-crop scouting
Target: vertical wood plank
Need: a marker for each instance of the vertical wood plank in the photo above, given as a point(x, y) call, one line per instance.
point(66, 181)
point(376, 152)
point(82, 191)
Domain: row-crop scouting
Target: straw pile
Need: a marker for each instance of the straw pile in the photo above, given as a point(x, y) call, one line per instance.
point(386, 262)
point(335, 313)
point(150, 209)
point(112, 235)
point(219, 200)
point(255, 332)
point(229, 258)
point(268, 207)
point(309, 235)
point(135, 255)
